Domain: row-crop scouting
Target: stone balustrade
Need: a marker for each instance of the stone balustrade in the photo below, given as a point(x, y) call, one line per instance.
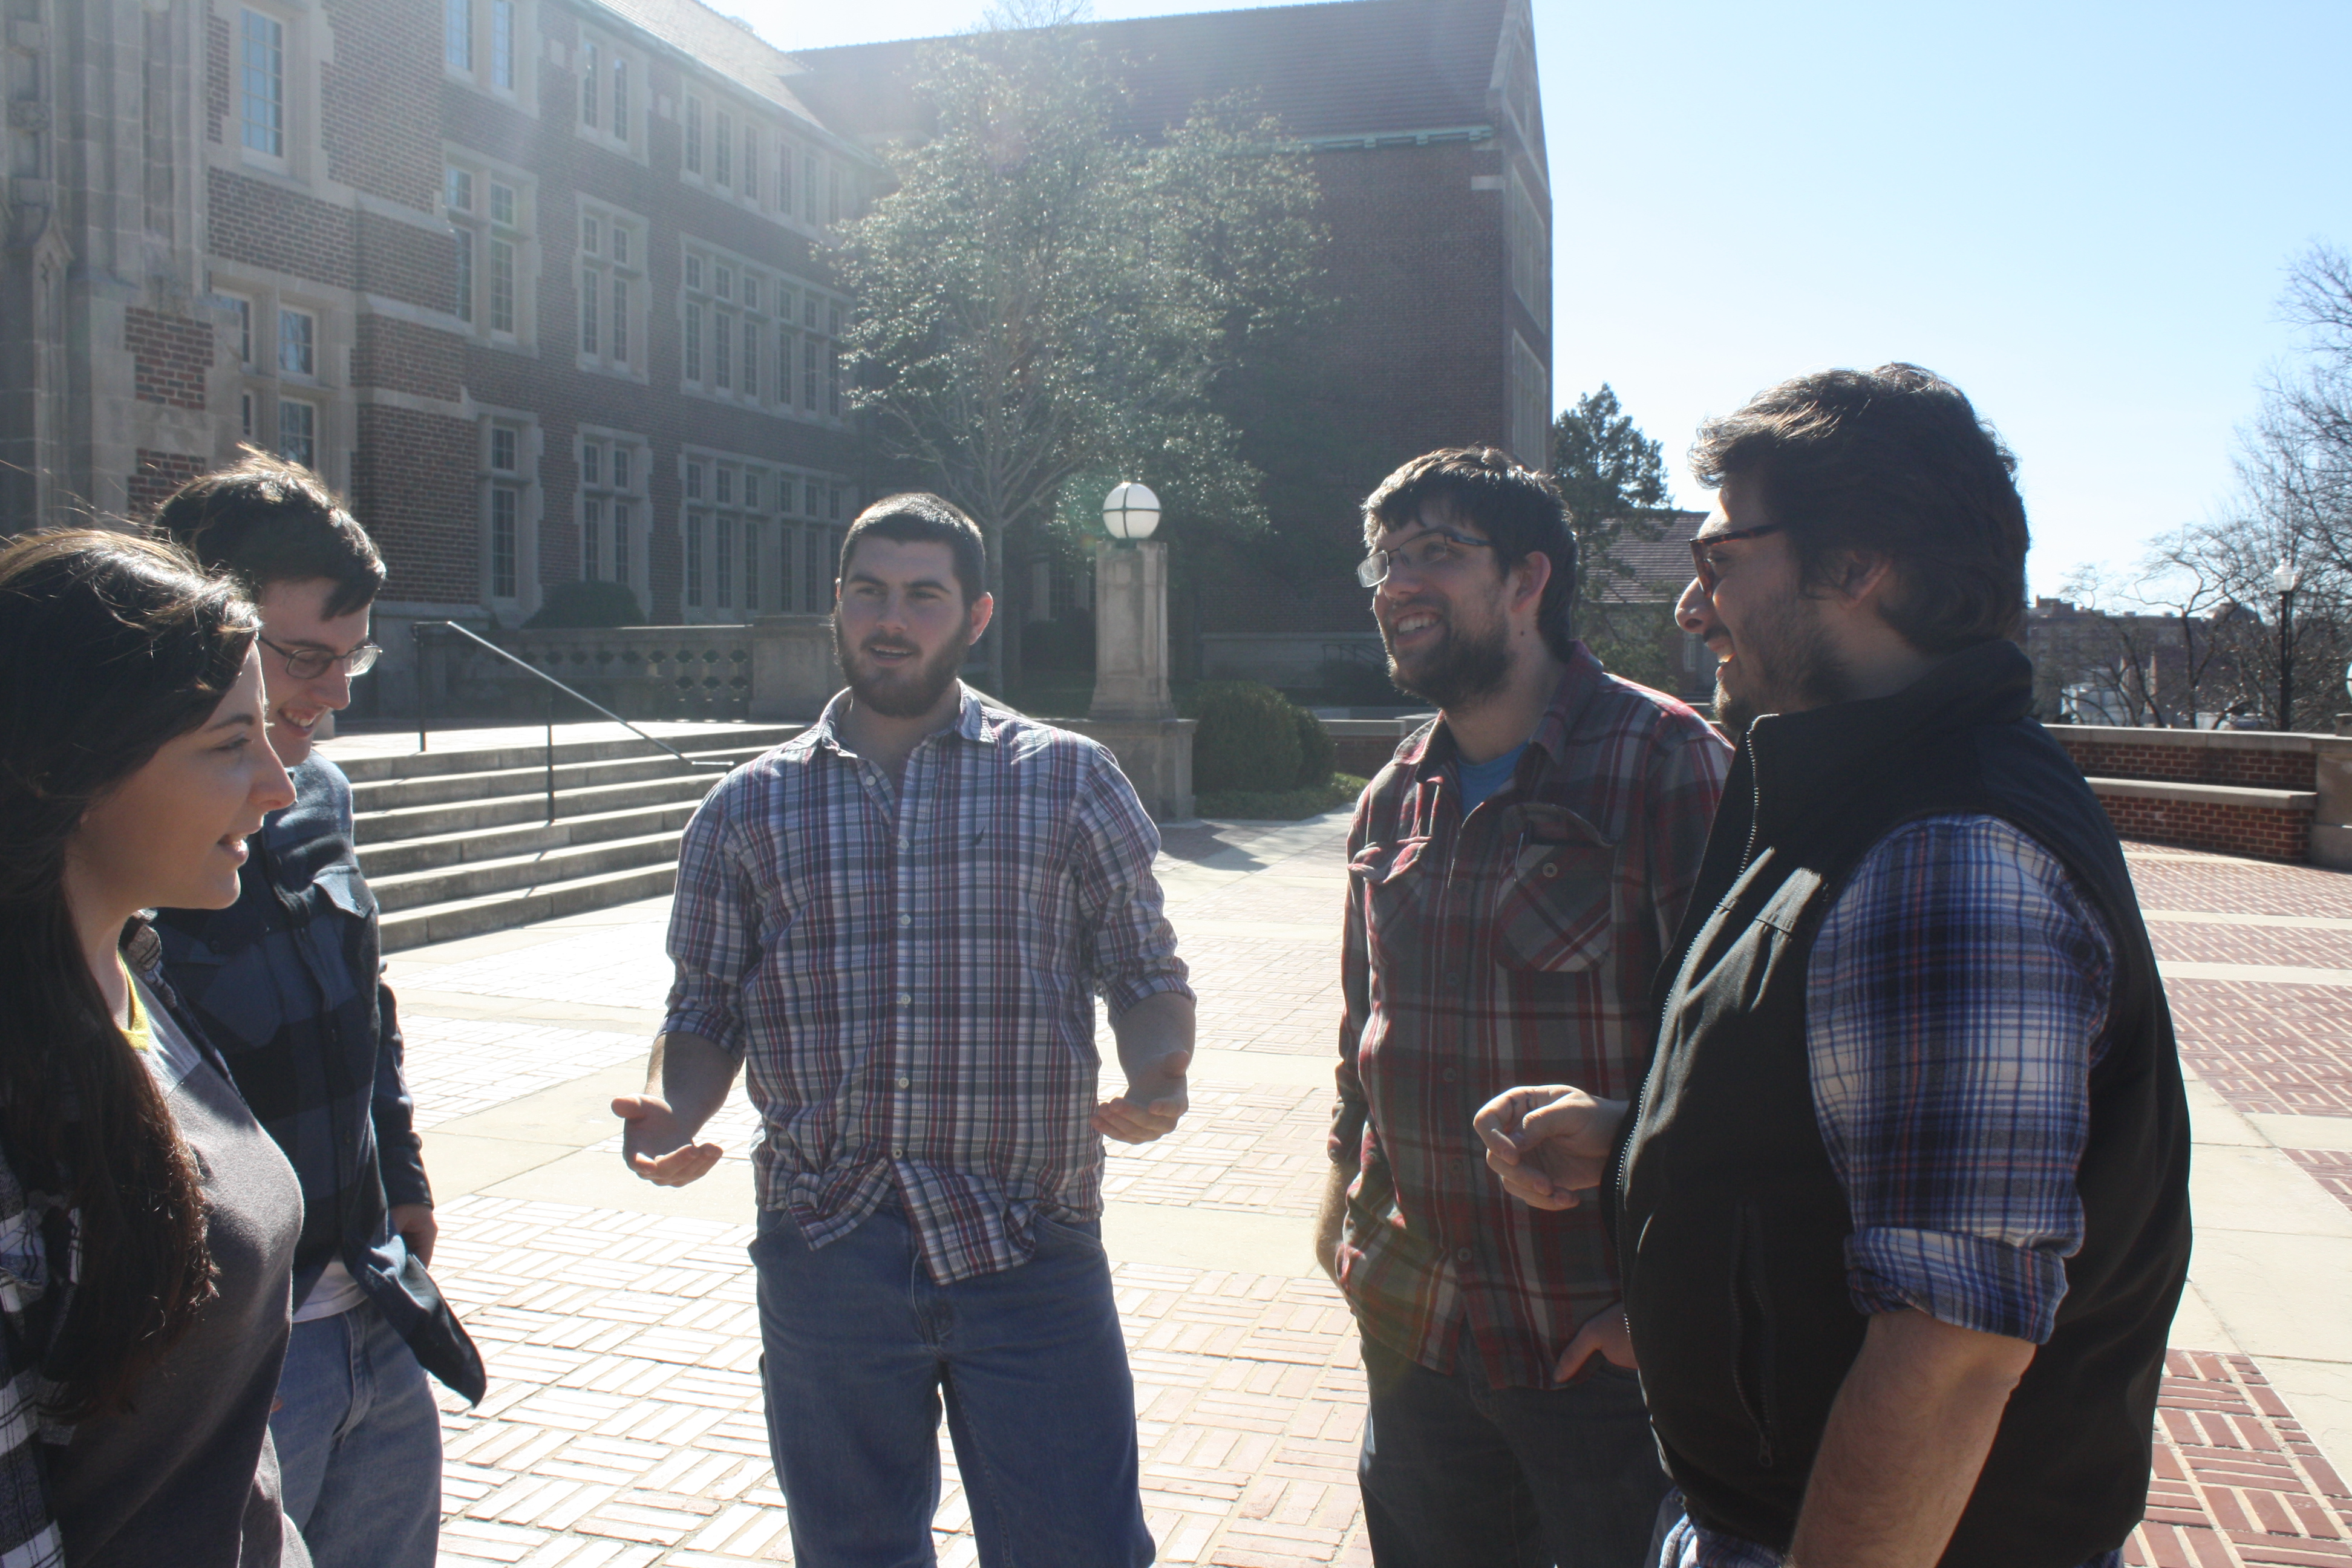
point(780, 667)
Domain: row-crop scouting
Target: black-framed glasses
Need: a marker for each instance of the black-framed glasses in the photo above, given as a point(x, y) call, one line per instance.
point(309, 663)
point(1424, 553)
point(1709, 576)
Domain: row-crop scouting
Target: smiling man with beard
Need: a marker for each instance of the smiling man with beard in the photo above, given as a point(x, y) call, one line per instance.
point(897, 924)
point(1515, 875)
point(1903, 1202)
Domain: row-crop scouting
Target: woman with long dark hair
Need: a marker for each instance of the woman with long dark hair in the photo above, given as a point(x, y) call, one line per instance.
point(147, 1222)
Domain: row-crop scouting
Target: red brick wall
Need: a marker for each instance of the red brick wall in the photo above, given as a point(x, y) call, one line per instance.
point(403, 356)
point(170, 356)
point(2251, 769)
point(2270, 835)
point(157, 476)
point(380, 135)
point(412, 488)
point(269, 225)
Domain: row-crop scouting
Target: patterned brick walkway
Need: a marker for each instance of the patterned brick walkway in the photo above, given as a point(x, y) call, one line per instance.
point(624, 1427)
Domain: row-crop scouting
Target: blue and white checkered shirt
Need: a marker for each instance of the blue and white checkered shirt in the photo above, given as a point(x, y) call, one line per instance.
point(1954, 1004)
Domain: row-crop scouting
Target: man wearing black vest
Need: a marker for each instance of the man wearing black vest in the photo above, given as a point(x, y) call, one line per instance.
point(1903, 1203)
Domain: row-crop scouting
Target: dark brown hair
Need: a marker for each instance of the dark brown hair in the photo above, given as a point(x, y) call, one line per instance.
point(1892, 461)
point(269, 521)
point(1516, 507)
point(919, 517)
point(112, 646)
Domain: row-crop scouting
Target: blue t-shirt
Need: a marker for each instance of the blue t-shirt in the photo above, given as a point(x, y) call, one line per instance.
point(1479, 780)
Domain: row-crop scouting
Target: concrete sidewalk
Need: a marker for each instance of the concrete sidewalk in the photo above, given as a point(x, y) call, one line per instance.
point(624, 1424)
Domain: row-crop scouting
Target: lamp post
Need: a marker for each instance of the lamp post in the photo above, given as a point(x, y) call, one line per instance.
point(1130, 511)
point(2284, 580)
point(1133, 712)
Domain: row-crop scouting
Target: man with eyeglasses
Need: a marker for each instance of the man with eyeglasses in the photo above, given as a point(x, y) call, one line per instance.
point(287, 983)
point(1514, 876)
point(1902, 1205)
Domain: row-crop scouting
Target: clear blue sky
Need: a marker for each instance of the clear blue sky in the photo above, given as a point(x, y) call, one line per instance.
point(2082, 213)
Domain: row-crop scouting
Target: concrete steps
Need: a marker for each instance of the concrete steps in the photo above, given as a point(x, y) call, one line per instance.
point(456, 840)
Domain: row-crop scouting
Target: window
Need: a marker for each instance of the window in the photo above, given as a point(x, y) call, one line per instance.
point(695, 524)
point(502, 258)
point(502, 44)
point(297, 432)
point(298, 346)
point(261, 80)
point(751, 162)
point(722, 147)
point(241, 327)
point(1531, 399)
point(808, 187)
point(784, 178)
point(589, 115)
point(620, 100)
point(244, 415)
point(458, 34)
point(750, 564)
point(502, 449)
point(505, 539)
point(693, 135)
point(609, 506)
point(725, 563)
point(736, 301)
point(612, 287)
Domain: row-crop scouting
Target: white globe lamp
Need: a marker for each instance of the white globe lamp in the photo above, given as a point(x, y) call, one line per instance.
point(1131, 512)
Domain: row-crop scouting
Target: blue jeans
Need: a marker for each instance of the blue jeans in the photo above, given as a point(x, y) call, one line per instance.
point(359, 1444)
point(862, 1348)
point(1457, 1474)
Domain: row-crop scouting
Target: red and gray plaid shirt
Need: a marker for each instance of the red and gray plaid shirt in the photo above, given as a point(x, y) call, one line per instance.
point(909, 973)
point(1516, 946)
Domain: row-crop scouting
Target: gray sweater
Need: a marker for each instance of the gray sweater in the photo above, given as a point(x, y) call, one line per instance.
point(188, 1476)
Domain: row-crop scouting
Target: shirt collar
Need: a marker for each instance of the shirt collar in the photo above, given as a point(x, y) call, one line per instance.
point(973, 721)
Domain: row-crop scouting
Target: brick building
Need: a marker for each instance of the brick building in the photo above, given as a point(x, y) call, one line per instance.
point(1425, 121)
point(542, 284)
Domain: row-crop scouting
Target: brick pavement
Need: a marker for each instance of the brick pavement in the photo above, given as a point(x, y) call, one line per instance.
point(624, 1425)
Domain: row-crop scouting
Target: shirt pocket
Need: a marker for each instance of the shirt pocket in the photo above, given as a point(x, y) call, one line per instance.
point(347, 890)
point(1390, 875)
point(1554, 907)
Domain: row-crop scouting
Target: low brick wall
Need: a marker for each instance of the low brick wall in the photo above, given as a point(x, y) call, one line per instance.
point(1364, 746)
point(2231, 829)
point(2226, 757)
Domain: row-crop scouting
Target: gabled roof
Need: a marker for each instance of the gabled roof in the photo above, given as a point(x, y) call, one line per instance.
point(724, 45)
point(1348, 68)
point(1661, 567)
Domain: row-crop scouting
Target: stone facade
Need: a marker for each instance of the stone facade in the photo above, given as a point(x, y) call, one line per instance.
point(543, 285)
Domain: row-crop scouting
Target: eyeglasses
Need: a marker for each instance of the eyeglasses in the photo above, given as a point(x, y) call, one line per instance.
point(309, 663)
point(1702, 548)
point(1426, 554)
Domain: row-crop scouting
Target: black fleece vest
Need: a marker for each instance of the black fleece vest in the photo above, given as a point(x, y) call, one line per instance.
point(1732, 1222)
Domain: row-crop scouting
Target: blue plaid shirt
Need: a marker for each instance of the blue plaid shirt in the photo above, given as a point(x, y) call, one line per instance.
point(1954, 1007)
point(287, 984)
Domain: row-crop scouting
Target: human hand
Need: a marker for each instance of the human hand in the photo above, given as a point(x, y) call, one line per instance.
point(656, 1147)
point(1605, 1332)
point(418, 1228)
point(1154, 1103)
point(1549, 1141)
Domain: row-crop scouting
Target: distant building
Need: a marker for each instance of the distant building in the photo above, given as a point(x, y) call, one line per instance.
point(542, 284)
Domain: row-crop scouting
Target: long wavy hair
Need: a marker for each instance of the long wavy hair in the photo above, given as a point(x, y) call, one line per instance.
point(110, 646)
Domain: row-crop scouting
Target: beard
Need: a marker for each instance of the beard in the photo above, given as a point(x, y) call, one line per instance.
point(1463, 667)
point(1786, 663)
point(908, 692)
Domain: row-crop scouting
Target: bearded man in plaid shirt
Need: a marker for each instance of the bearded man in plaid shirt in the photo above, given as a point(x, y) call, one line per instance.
point(897, 922)
point(1514, 876)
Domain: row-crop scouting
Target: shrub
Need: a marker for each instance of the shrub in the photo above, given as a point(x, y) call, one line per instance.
point(1318, 752)
point(1247, 739)
point(1065, 642)
point(589, 603)
point(1349, 684)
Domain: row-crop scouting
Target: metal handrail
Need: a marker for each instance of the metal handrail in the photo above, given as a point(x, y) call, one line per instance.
point(416, 634)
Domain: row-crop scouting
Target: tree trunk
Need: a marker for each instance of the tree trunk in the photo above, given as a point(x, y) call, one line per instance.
point(995, 539)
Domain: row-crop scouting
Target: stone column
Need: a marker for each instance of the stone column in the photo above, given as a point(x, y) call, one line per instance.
point(793, 672)
point(1132, 713)
point(1131, 631)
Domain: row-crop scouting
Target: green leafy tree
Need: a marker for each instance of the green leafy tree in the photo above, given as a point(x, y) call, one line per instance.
point(1614, 479)
point(1045, 306)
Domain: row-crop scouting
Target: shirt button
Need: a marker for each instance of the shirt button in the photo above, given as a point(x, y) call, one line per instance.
point(897, 1151)
point(906, 1082)
point(1447, 1074)
point(905, 1000)
point(1461, 1255)
point(1551, 868)
point(902, 841)
point(904, 920)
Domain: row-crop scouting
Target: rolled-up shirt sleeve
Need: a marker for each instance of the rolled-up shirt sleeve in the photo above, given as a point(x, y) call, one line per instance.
point(1956, 1002)
point(713, 930)
point(1134, 947)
